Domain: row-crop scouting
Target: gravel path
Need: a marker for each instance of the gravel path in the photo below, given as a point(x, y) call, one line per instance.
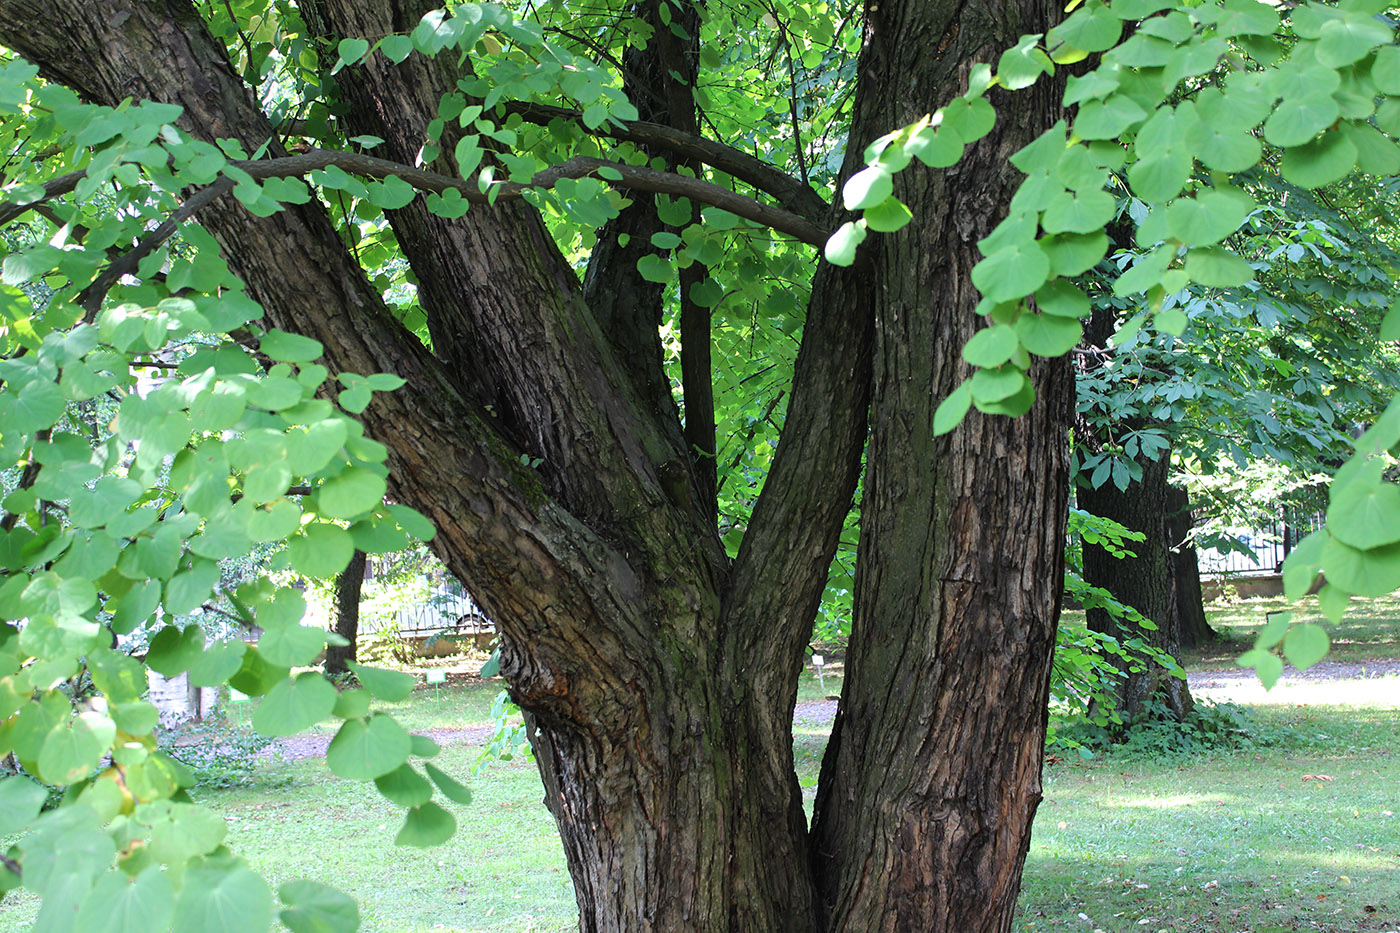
point(1239, 686)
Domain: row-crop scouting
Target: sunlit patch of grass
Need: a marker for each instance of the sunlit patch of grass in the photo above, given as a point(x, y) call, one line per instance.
point(1369, 631)
point(1260, 842)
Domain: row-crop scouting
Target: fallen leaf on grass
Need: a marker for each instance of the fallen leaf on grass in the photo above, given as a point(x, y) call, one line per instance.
point(1316, 777)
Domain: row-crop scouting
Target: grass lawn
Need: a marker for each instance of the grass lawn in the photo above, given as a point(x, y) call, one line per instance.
point(1370, 630)
point(1302, 836)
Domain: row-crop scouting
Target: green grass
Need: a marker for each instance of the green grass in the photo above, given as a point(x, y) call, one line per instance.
point(1369, 631)
point(1227, 842)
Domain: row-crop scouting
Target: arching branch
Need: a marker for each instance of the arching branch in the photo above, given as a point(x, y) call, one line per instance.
point(617, 173)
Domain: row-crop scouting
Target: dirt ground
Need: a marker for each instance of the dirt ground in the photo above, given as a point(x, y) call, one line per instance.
point(1326, 682)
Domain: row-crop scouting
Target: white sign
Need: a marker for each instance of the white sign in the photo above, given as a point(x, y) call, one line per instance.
point(236, 697)
point(436, 677)
point(818, 660)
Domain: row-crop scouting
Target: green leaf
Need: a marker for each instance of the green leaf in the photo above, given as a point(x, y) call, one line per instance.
point(995, 385)
point(1021, 65)
point(173, 651)
point(119, 903)
point(991, 346)
point(1390, 325)
point(1215, 267)
point(888, 216)
point(1385, 70)
point(413, 522)
point(450, 787)
point(1160, 174)
point(1347, 40)
point(867, 188)
point(1110, 118)
point(20, 800)
point(1048, 334)
point(73, 749)
point(405, 786)
point(1012, 272)
point(1207, 218)
point(1073, 254)
point(352, 493)
point(188, 589)
point(1145, 273)
point(390, 686)
point(1275, 627)
point(840, 249)
point(313, 907)
point(1082, 212)
point(1320, 162)
point(1063, 299)
point(1266, 665)
point(352, 704)
point(1374, 572)
point(968, 120)
point(655, 268)
point(951, 410)
point(1298, 119)
point(428, 825)
point(1333, 600)
point(396, 48)
point(294, 706)
point(1365, 515)
point(1171, 321)
point(362, 751)
point(321, 550)
point(423, 747)
point(349, 52)
point(223, 896)
point(1305, 645)
point(289, 348)
point(1301, 568)
point(292, 645)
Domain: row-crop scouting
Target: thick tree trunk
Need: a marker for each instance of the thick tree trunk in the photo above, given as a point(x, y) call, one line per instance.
point(1192, 626)
point(932, 775)
point(346, 606)
point(1145, 582)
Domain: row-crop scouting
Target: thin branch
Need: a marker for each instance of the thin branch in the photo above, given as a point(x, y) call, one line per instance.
point(90, 298)
point(791, 193)
point(792, 103)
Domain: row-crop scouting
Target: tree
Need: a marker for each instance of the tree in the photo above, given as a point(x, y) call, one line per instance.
point(345, 609)
point(533, 422)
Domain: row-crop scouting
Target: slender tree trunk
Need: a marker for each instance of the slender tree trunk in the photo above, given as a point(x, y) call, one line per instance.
point(1146, 582)
point(346, 600)
point(1192, 626)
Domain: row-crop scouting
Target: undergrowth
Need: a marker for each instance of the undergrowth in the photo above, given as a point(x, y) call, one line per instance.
point(1210, 727)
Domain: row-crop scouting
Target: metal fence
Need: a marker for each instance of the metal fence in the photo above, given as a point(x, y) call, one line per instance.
point(1263, 549)
point(447, 608)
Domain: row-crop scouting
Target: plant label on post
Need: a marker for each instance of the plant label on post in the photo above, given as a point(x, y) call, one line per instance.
point(236, 696)
point(817, 661)
point(436, 678)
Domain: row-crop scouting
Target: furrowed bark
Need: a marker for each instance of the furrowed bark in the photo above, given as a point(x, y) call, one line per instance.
point(932, 775)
